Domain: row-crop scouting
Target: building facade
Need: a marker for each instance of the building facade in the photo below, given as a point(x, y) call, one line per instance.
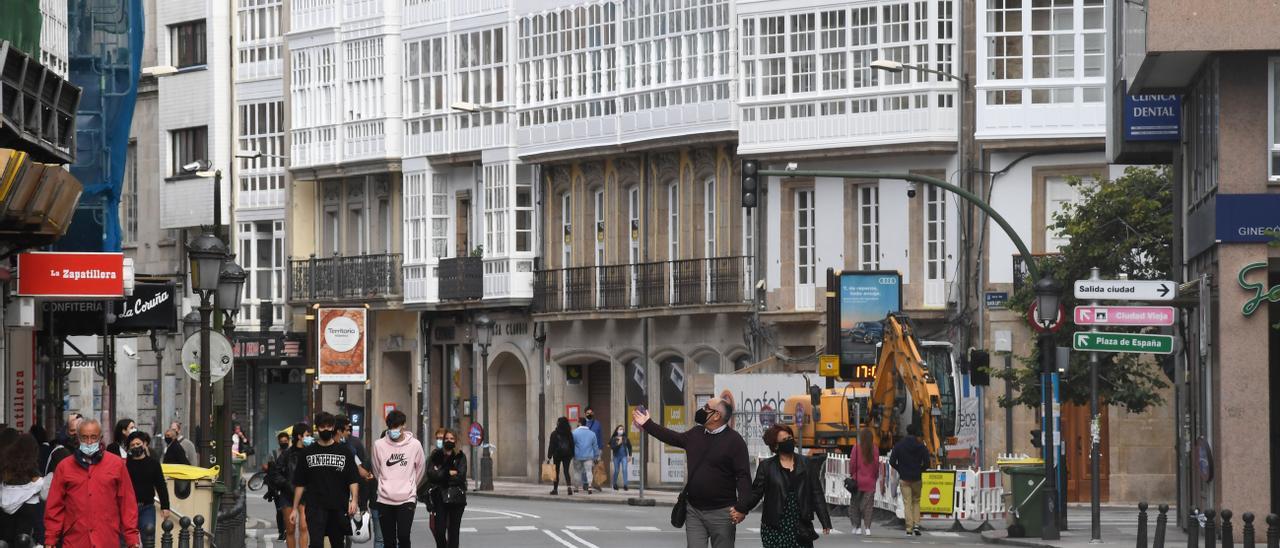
point(1224, 73)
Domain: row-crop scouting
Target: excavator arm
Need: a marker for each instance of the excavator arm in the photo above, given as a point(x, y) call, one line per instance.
point(902, 372)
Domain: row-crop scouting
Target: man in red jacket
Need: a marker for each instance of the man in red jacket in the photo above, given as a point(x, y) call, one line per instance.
point(91, 502)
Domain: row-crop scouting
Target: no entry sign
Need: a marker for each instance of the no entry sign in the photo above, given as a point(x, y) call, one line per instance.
point(937, 492)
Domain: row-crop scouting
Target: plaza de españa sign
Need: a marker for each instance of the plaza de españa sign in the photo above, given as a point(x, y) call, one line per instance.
point(1130, 343)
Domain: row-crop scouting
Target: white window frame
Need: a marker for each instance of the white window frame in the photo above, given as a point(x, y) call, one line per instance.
point(598, 236)
point(250, 239)
point(566, 233)
point(868, 204)
point(633, 239)
point(935, 243)
point(1058, 185)
point(129, 197)
point(439, 216)
point(804, 248)
point(496, 187)
point(261, 129)
point(711, 227)
point(1273, 120)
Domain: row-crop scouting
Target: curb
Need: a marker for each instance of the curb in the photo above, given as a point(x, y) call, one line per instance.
point(558, 498)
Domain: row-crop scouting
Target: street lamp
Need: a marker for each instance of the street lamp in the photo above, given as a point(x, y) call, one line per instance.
point(1048, 295)
point(159, 70)
point(484, 336)
point(205, 253)
point(231, 279)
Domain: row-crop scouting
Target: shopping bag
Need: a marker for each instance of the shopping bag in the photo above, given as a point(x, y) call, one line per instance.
point(599, 475)
point(548, 472)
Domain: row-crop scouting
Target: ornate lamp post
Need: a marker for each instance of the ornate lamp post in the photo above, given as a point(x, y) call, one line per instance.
point(205, 253)
point(229, 528)
point(484, 337)
point(1048, 295)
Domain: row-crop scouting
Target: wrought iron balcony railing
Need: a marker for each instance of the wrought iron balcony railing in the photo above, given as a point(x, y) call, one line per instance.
point(687, 282)
point(339, 278)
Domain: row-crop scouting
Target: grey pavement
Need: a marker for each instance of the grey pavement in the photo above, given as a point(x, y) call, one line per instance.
point(1119, 525)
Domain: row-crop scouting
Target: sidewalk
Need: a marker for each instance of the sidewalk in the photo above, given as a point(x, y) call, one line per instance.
point(539, 491)
point(1119, 530)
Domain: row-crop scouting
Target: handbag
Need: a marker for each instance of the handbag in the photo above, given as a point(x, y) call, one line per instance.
point(851, 485)
point(454, 496)
point(680, 512)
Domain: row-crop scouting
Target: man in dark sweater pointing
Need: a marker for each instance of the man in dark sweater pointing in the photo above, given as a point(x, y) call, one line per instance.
point(718, 468)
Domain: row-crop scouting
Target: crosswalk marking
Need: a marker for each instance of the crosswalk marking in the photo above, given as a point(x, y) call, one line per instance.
point(641, 528)
point(467, 530)
point(754, 529)
point(582, 528)
point(558, 539)
point(514, 528)
point(579, 539)
point(944, 534)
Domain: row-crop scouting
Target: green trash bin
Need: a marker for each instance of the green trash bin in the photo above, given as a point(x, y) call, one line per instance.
point(1027, 506)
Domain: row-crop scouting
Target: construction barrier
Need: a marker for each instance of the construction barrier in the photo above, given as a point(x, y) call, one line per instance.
point(979, 494)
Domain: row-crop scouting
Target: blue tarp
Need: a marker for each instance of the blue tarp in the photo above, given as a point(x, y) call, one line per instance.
point(106, 56)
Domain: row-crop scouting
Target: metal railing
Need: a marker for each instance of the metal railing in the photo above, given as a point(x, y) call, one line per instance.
point(461, 279)
point(686, 282)
point(339, 278)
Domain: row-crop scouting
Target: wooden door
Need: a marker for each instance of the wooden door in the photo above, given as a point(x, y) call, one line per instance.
point(1075, 431)
point(462, 230)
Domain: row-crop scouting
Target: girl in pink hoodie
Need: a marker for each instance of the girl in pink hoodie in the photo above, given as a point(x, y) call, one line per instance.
point(864, 469)
point(399, 463)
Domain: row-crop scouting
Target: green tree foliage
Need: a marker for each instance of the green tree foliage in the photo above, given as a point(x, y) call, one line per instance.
point(1121, 226)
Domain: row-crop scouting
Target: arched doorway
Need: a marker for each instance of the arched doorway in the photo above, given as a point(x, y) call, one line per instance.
point(510, 429)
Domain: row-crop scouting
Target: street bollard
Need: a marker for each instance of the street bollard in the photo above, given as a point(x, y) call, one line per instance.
point(1273, 531)
point(1142, 525)
point(1228, 538)
point(1193, 529)
point(199, 534)
point(184, 533)
point(166, 538)
point(1162, 521)
point(1248, 531)
point(148, 532)
point(1210, 528)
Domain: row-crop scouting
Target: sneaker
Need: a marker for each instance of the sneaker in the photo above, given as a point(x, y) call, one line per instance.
point(857, 531)
point(909, 532)
point(917, 531)
point(866, 532)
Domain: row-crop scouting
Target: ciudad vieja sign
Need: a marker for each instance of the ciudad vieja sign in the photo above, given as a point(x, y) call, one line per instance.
point(71, 274)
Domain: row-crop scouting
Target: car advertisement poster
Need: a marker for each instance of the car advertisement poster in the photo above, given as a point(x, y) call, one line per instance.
point(865, 299)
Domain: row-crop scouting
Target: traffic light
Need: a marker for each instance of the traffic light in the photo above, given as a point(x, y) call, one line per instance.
point(979, 367)
point(750, 182)
point(1037, 439)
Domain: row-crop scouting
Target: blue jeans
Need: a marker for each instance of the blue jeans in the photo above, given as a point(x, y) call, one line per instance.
point(147, 516)
point(376, 523)
point(619, 469)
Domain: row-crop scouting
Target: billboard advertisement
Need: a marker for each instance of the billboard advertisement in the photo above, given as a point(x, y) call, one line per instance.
point(865, 299)
point(342, 344)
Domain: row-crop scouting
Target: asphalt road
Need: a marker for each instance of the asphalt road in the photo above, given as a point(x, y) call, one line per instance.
point(497, 522)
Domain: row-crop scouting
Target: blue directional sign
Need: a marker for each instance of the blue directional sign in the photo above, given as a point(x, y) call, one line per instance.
point(1152, 117)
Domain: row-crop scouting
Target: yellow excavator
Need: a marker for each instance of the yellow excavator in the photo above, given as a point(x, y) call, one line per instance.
point(828, 419)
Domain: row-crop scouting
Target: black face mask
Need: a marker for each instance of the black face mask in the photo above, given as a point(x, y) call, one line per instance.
point(449, 445)
point(168, 441)
point(327, 435)
point(700, 417)
point(284, 445)
point(137, 452)
point(787, 447)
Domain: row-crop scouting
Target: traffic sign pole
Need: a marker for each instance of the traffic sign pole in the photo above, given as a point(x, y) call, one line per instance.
point(1095, 437)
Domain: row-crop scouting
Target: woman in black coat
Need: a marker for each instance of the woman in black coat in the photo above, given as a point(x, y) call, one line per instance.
point(791, 488)
point(560, 453)
point(447, 474)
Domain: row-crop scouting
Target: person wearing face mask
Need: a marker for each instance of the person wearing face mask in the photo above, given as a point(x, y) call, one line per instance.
point(174, 452)
point(91, 501)
point(148, 484)
point(719, 474)
point(326, 476)
point(273, 494)
point(620, 444)
point(400, 465)
point(447, 474)
point(119, 438)
point(560, 453)
point(280, 476)
point(791, 488)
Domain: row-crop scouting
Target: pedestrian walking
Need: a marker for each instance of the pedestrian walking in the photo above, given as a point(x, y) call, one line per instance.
point(274, 494)
point(240, 446)
point(326, 479)
point(586, 450)
point(281, 477)
point(22, 489)
point(594, 426)
point(864, 470)
point(148, 485)
point(620, 444)
point(560, 452)
point(91, 500)
point(50, 455)
point(187, 455)
point(364, 468)
point(719, 475)
point(119, 445)
point(910, 458)
point(67, 438)
point(447, 474)
point(790, 486)
point(400, 465)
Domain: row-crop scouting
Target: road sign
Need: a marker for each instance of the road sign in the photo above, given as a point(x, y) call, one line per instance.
point(1125, 315)
point(476, 434)
point(1126, 290)
point(1132, 343)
